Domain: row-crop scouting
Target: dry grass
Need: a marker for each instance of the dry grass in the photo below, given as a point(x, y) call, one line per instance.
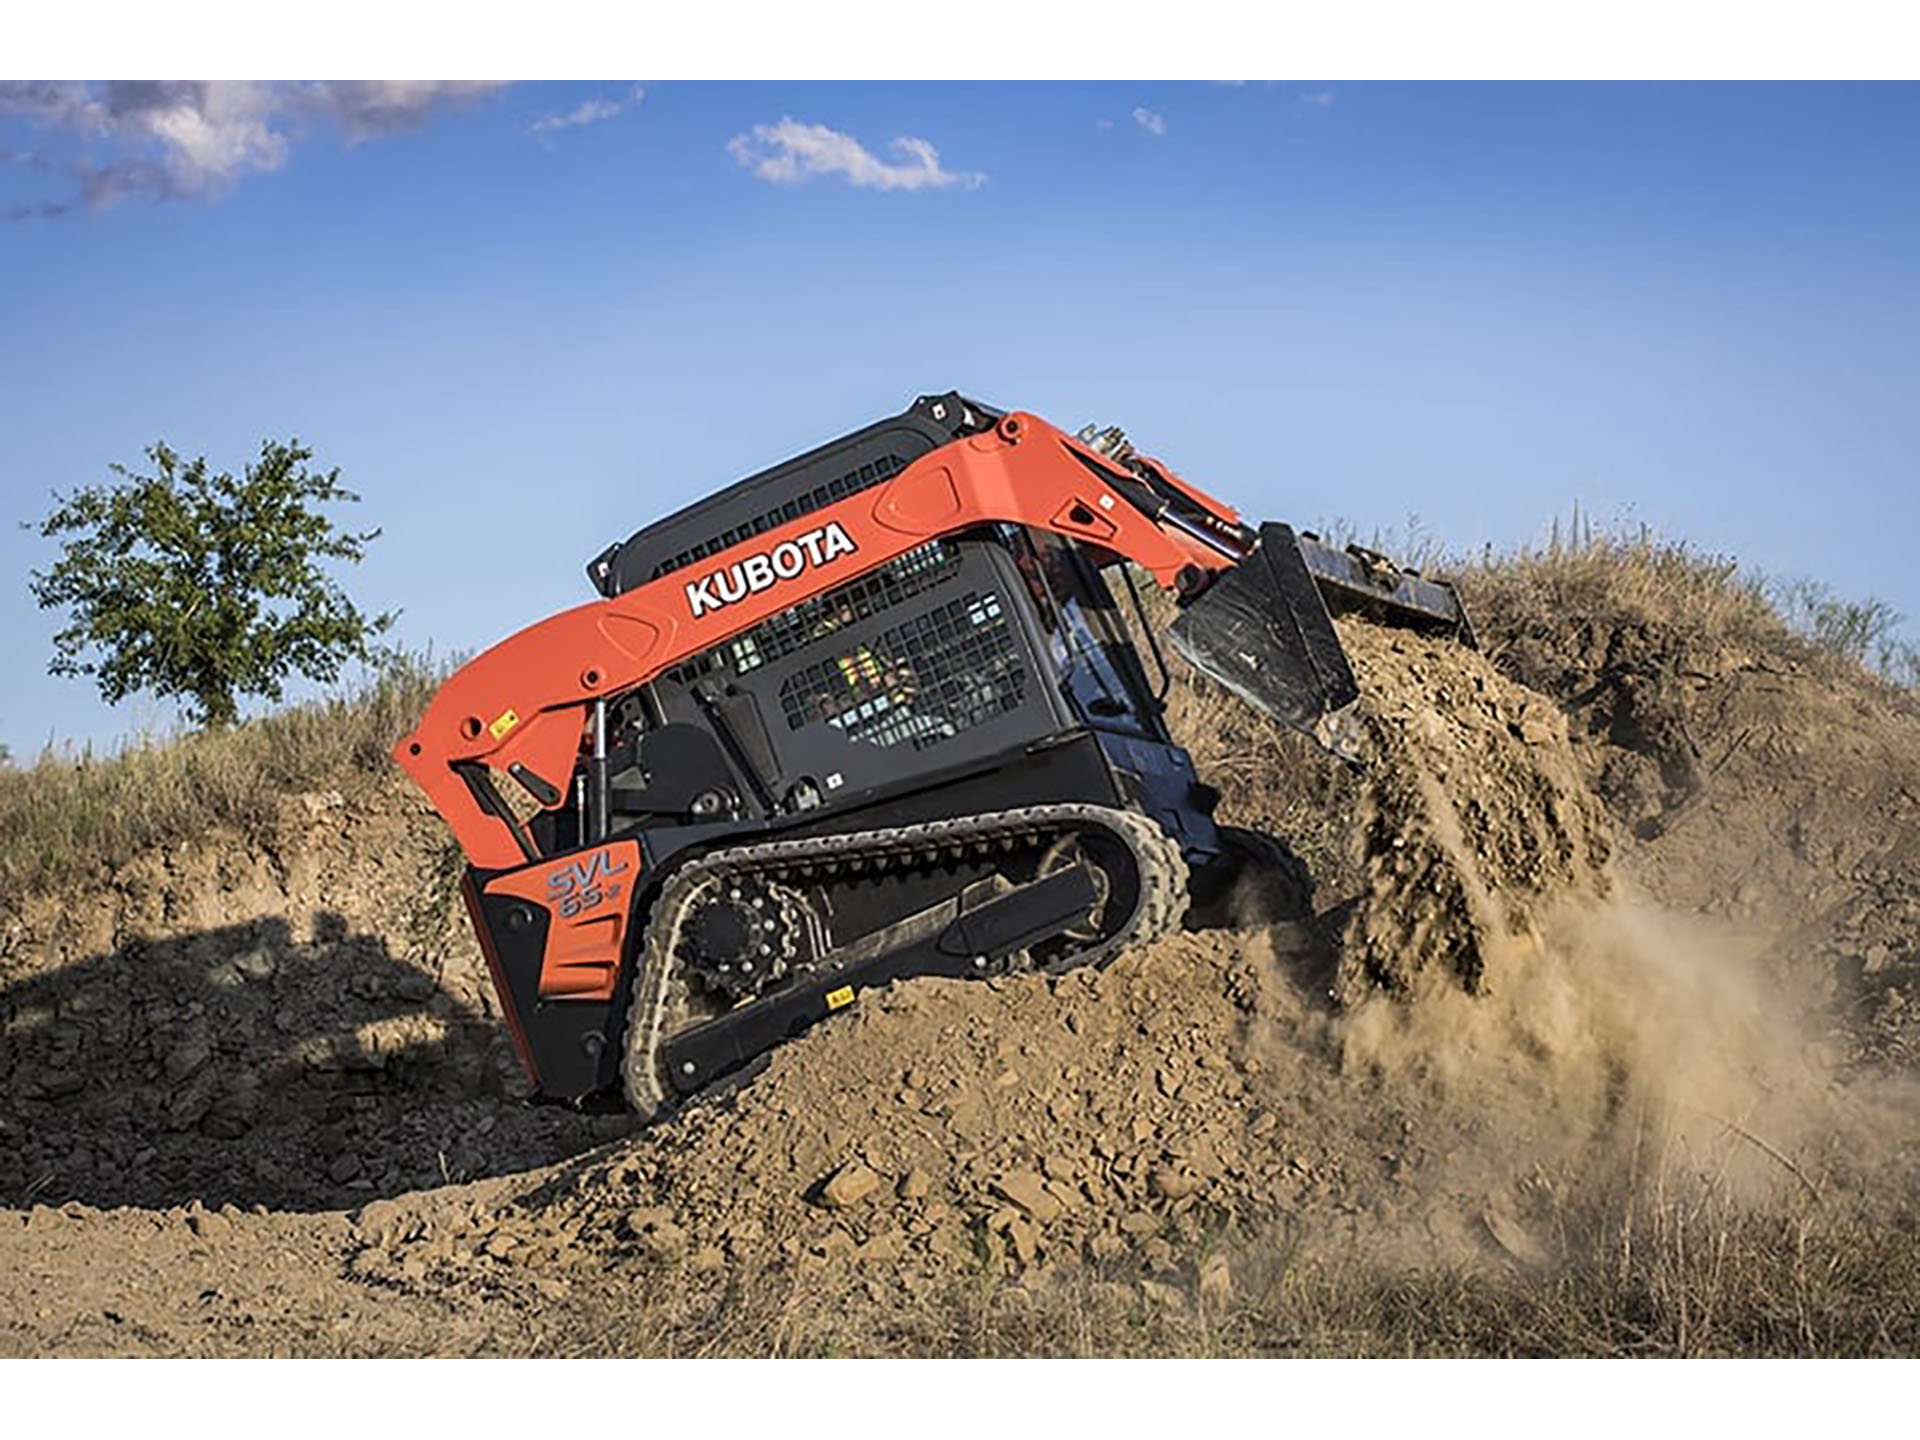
point(1676, 1271)
point(69, 818)
point(1637, 578)
point(1545, 594)
point(1673, 1267)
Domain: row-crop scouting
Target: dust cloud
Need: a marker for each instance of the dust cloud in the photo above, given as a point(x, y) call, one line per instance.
point(1500, 980)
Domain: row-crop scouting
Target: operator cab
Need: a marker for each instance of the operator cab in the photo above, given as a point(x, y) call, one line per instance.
point(962, 660)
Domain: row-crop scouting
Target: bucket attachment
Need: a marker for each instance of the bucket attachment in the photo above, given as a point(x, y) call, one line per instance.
point(1264, 629)
point(1366, 582)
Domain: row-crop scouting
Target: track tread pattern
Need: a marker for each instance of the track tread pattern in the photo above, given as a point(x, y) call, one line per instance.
point(1160, 904)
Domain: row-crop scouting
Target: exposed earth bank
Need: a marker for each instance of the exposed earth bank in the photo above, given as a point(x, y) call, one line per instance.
point(1611, 933)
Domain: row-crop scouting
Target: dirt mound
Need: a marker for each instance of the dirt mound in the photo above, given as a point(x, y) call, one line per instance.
point(1497, 1050)
point(949, 1124)
point(1475, 817)
point(1505, 1018)
point(1768, 787)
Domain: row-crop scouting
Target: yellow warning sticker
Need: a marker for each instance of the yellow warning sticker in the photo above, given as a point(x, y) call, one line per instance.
point(505, 723)
point(841, 998)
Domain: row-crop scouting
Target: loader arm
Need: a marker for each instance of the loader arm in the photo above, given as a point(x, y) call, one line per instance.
point(526, 706)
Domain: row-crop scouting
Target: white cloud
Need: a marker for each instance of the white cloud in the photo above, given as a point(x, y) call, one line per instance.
point(587, 112)
point(177, 139)
point(219, 134)
point(1319, 99)
point(791, 152)
point(365, 109)
point(1148, 121)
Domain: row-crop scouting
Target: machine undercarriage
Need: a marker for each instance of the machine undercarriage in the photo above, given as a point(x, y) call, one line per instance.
point(875, 713)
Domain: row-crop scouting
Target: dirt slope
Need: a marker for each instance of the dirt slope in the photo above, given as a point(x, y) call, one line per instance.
point(285, 1026)
point(1514, 993)
point(1775, 791)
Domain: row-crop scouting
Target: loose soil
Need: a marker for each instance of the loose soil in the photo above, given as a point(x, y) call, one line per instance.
point(257, 1101)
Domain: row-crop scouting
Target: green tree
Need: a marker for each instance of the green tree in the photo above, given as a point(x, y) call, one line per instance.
point(204, 588)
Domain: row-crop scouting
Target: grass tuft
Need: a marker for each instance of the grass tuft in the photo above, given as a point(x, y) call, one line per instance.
point(69, 818)
point(1542, 593)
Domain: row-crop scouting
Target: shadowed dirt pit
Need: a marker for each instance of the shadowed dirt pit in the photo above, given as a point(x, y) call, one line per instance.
point(241, 1066)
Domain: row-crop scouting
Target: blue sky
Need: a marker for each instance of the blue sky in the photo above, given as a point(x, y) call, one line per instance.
point(525, 320)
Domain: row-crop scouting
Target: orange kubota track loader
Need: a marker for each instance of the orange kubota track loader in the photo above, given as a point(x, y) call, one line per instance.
point(873, 713)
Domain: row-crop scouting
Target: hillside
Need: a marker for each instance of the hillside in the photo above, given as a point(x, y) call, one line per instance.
point(1594, 1033)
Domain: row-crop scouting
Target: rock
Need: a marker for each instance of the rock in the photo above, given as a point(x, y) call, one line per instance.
point(343, 1168)
point(915, 1185)
point(1025, 1241)
point(1139, 1223)
point(186, 1058)
point(950, 1243)
point(209, 1225)
point(664, 1241)
point(708, 1258)
point(415, 986)
point(1028, 1191)
point(1513, 1238)
point(1174, 1184)
point(382, 1223)
point(849, 1185)
point(1216, 1280)
point(255, 965)
point(1876, 959)
point(189, 1104)
point(223, 1125)
point(837, 1245)
point(58, 1084)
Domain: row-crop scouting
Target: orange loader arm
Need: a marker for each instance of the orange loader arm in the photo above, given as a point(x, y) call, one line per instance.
point(524, 705)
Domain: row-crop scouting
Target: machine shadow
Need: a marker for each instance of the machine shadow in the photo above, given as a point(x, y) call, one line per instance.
point(245, 1066)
